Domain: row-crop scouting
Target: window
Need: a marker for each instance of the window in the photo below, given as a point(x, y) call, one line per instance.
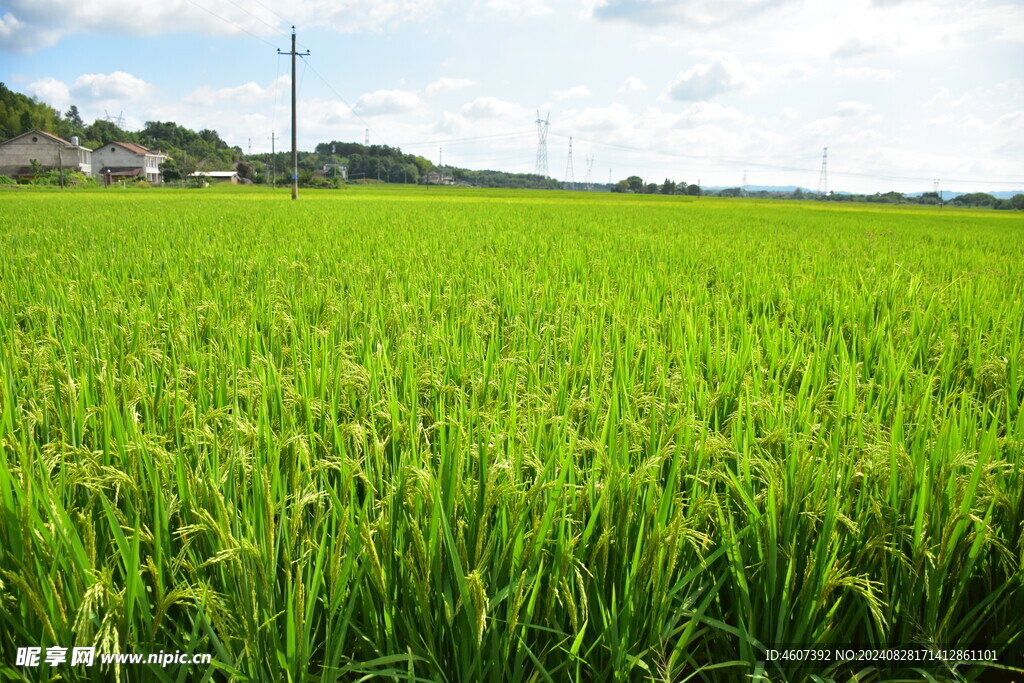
point(35, 139)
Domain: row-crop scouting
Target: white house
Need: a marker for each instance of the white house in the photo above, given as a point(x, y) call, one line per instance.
point(216, 176)
point(48, 150)
point(127, 159)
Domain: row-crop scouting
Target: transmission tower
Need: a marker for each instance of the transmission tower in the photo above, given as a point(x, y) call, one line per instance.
point(590, 168)
point(823, 179)
point(743, 187)
point(116, 120)
point(569, 180)
point(542, 144)
point(366, 138)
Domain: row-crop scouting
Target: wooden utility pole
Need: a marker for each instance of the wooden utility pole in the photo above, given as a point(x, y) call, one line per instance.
point(295, 153)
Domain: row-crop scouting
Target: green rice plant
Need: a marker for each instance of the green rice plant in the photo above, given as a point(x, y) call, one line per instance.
point(520, 436)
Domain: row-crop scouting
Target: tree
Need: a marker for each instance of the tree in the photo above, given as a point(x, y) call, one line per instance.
point(74, 118)
point(636, 183)
point(693, 190)
point(621, 186)
point(668, 187)
point(245, 170)
point(1016, 202)
point(975, 199)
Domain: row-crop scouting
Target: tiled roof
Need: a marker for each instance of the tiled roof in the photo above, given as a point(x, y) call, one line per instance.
point(131, 146)
point(37, 133)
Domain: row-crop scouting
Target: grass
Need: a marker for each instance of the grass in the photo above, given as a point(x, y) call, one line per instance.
point(484, 435)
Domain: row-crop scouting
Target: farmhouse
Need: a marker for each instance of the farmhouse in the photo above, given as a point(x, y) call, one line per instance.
point(127, 159)
point(335, 171)
point(437, 177)
point(47, 150)
point(216, 176)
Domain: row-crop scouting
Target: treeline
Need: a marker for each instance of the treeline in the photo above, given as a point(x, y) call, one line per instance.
point(635, 184)
point(522, 181)
point(979, 200)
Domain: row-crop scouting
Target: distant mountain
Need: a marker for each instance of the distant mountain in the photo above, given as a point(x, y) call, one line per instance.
point(758, 188)
point(950, 194)
point(776, 188)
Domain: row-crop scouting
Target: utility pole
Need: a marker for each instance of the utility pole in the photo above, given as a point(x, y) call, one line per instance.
point(295, 152)
point(273, 162)
point(570, 181)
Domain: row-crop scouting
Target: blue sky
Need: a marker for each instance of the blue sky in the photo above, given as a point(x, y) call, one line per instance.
point(901, 92)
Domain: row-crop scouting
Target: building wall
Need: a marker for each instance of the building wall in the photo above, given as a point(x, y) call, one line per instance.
point(152, 167)
point(16, 156)
point(115, 155)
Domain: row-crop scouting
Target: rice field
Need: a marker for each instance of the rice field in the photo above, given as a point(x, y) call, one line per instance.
point(465, 435)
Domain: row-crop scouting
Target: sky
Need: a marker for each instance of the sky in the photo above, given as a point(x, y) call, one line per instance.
point(903, 93)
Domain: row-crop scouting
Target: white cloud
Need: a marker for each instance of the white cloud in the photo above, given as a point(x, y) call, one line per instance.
point(491, 107)
point(704, 81)
point(865, 73)
point(603, 118)
point(789, 114)
point(387, 102)
point(248, 93)
point(570, 93)
point(449, 85)
point(17, 36)
point(854, 47)
point(1013, 120)
point(687, 13)
point(824, 127)
point(850, 108)
point(632, 84)
point(53, 92)
point(940, 121)
point(35, 24)
point(521, 8)
point(789, 71)
point(710, 112)
point(725, 73)
point(941, 96)
point(118, 85)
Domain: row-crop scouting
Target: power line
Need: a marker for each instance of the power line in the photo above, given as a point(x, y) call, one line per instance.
point(268, 25)
point(795, 169)
point(228, 21)
point(469, 139)
point(341, 99)
point(271, 10)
